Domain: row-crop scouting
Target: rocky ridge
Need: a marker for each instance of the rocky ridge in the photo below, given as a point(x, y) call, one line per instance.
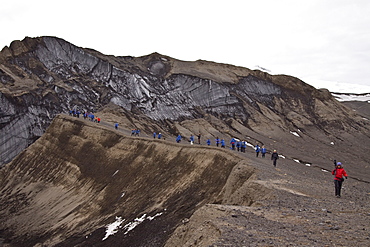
point(42, 77)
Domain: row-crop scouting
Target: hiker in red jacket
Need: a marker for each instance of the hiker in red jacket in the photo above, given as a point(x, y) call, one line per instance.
point(339, 173)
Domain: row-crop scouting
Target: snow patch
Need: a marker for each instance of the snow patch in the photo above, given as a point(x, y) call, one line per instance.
point(294, 133)
point(113, 227)
point(249, 144)
point(352, 97)
point(130, 226)
point(338, 87)
point(115, 173)
point(297, 161)
point(153, 217)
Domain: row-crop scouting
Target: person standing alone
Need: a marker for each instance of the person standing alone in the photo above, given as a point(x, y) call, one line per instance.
point(338, 173)
point(274, 157)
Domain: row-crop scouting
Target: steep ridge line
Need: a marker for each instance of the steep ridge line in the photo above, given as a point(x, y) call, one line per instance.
point(227, 148)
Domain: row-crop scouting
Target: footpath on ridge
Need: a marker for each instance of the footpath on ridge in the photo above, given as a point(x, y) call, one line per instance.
point(301, 208)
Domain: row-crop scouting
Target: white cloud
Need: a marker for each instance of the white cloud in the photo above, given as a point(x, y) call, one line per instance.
point(312, 40)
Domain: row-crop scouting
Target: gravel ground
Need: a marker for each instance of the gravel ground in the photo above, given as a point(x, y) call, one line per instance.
point(301, 210)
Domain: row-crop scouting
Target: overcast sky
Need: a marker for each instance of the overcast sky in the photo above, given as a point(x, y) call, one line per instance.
point(322, 42)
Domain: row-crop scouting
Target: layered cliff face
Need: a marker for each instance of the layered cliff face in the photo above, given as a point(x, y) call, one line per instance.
point(44, 76)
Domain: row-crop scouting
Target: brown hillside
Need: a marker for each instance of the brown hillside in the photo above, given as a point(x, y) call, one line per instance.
point(79, 176)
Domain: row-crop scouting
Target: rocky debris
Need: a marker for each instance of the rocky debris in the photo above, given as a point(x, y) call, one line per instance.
point(312, 217)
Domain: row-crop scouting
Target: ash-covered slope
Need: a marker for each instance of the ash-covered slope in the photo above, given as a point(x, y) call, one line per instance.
point(79, 177)
point(41, 77)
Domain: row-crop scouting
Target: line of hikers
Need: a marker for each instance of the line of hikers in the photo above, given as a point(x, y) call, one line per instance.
point(86, 115)
point(135, 132)
point(236, 144)
point(159, 135)
point(261, 150)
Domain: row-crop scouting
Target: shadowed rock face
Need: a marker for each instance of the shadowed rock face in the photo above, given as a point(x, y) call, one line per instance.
point(78, 177)
point(41, 77)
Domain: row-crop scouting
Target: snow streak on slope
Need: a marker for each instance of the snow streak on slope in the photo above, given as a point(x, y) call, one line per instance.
point(352, 97)
point(345, 91)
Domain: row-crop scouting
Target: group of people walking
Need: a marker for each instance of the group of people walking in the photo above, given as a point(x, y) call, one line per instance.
point(236, 144)
point(261, 150)
point(155, 135)
point(240, 146)
point(86, 115)
point(135, 132)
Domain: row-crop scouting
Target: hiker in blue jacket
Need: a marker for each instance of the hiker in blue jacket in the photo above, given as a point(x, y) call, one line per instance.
point(222, 143)
point(217, 141)
point(238, 145)
point(159, 135)
point(178, 139)
point(244, 145)
point(232, 142)
point(263, 151)
point(257, 148)
point(191, 139)
point(208, 142)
